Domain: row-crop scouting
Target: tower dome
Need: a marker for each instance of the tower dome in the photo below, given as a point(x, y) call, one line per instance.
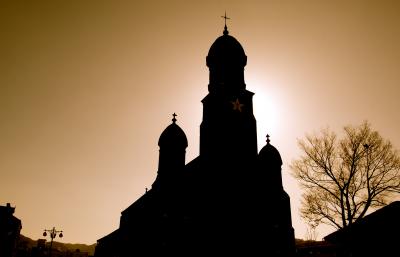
point(173, 136)
point(270, 155)
point(226, 60)
point(226, 50)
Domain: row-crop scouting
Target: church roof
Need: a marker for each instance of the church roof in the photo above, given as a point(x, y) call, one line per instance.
point(147, 200)
point(110, 237)
point(173, 136)
point(226, 49)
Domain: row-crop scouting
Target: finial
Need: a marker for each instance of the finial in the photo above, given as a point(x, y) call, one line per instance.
point(226, 32)
point(174, 117)
point(268, 139)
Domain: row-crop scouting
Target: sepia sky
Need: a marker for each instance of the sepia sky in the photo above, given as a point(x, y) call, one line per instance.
point(87, 87)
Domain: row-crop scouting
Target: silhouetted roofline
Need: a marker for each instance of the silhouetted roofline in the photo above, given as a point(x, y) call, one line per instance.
point(110, 236)
point(139, 202)
point(380, 214)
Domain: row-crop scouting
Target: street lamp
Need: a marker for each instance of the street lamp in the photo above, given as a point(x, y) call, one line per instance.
point(53, 233)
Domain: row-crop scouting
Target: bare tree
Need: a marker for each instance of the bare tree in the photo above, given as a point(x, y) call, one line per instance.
point(344, 178)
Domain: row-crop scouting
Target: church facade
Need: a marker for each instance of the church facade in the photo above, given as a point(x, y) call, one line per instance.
point(227, 201)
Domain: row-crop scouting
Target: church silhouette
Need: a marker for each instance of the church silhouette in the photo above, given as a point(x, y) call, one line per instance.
point(227, 201)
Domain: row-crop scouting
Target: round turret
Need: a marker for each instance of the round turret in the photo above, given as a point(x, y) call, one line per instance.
point(270, 155)
point(173, 143)
point(173, 137)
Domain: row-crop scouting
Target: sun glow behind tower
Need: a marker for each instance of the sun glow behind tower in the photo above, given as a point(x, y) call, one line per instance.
point(267, 107)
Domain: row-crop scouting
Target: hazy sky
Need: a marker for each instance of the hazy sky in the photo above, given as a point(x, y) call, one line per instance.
point(87, 87)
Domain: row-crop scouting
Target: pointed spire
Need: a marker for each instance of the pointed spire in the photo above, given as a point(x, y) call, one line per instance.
point(226, 32)
point(174, 118)
point(268, 139)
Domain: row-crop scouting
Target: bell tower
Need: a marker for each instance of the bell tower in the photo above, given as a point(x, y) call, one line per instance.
point(228, 130)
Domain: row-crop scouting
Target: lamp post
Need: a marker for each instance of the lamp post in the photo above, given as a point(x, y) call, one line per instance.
point(53, 233)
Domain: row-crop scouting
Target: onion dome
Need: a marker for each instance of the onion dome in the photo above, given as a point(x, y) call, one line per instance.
point(173, 136)
point(270, 155)
point(226, 50)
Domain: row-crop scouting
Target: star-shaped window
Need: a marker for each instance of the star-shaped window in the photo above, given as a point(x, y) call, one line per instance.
point(237, 106)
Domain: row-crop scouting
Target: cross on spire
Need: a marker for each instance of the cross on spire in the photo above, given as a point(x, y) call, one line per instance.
point(226, 18)
point(174, 117)
point(225, 28)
